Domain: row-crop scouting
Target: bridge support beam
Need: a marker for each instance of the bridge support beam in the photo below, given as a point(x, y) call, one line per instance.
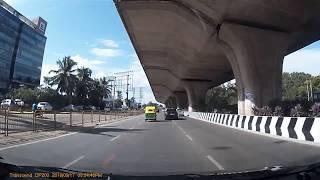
point(256, 57)
point(181, 99)
point(196, 93)
point(171, 102)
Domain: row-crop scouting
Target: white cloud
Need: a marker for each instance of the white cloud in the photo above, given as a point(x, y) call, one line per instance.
point(110, 43)
point(86, 62)
point(304, 60)
point(46, 69)
point(106, 52)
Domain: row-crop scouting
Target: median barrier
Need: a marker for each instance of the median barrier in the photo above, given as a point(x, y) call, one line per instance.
point(302, 128)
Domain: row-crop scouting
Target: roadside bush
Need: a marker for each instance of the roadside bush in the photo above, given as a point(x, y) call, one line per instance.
point(264, 111)
point(297, 111)
point(278, 111)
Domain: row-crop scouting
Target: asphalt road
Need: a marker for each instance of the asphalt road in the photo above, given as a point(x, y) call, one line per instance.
point(135, 147)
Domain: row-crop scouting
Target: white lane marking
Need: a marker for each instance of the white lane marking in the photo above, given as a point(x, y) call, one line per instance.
point(33, 142)
point(73, 162)
point(184, 132)
point(215, 162)
point(124, 120)
point(189, 137)
point(115, 138)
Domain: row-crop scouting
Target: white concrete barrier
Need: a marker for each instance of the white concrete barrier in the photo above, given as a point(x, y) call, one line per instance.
point(302, 128)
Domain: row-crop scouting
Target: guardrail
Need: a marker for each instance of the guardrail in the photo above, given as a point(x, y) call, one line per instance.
point(302, 128)
point(15, 121)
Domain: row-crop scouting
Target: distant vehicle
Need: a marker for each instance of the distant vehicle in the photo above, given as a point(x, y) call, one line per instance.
point(19, 102)
point(89, 108)
point(180, 112)
point(70, 107)
point(107, 109)
point(171, 113)
point(8, 103)
point(150, 113)
point(44, 106)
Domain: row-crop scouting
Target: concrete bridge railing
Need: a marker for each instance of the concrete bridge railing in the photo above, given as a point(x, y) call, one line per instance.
point(302, 128)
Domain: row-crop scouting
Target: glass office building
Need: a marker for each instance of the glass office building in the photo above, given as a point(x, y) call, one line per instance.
point(22, 44)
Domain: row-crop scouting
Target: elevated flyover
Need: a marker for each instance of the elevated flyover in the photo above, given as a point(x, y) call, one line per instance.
point(189, 46)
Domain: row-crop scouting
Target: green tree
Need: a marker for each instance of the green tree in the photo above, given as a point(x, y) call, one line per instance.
point(28, 95)
point(83, 85)
point(106, 87)
point(223, 98)
point(64, 78)
point(294, 85)
point(99, 89)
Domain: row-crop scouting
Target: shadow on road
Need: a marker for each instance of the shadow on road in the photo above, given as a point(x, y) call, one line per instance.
point(103, 130)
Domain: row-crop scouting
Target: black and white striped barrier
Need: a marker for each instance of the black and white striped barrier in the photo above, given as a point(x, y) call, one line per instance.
point(302, 128)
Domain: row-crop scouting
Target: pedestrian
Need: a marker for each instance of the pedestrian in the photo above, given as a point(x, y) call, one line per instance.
point(34, 107)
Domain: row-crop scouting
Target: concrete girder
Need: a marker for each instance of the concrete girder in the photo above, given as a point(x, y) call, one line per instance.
point(184, 32)
point(256, 57)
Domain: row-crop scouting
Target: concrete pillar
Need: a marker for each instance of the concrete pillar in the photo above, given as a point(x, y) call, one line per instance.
point(256, 57)
point(181, 99)
point(196, 93)
point(171, 102)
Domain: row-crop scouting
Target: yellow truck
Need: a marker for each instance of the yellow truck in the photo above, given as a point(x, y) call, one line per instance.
point(150, 113)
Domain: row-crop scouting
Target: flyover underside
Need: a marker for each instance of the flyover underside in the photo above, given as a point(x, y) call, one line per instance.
point(189, 46)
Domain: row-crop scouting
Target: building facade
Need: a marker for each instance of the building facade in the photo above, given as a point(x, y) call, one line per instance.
point(22, 45)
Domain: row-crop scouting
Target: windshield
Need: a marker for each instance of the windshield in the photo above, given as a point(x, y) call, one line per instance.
point(159, 87)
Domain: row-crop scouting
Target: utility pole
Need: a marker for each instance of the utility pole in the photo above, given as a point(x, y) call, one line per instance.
point(127, 90)
point(308, 91)
point(311, 90)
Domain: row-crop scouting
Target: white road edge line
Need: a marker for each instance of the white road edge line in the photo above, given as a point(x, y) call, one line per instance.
point(189, 137)
point(33, 142)
point(123, 120)
point(73, 162)
point(215, 162)
point(115, 138)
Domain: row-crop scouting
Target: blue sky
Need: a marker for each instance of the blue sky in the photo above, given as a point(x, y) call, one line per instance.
point(92, 33)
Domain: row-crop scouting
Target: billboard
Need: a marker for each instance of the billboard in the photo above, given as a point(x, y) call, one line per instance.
point(41, 25)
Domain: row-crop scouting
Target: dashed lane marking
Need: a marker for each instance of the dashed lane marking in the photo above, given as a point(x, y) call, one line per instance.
point(73, 162)
point(115, 138)
point(215, 162)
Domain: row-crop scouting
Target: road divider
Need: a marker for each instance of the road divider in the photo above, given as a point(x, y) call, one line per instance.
point(301, 128)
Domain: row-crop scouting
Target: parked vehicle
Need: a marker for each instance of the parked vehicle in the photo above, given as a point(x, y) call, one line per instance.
point(180, 112)
point(171, 113)
point(44, 106)
point(19, 102)
point(8, 103)
point(70, 107)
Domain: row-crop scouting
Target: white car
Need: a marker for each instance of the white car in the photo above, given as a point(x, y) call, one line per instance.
point(8, 103)
point(180, 112)
point(44, 106)
point(19, 102)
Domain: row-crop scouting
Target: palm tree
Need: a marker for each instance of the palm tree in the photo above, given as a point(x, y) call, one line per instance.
point(105, 86)
point(99, 89)
point(83, 86)
point(64, 77)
